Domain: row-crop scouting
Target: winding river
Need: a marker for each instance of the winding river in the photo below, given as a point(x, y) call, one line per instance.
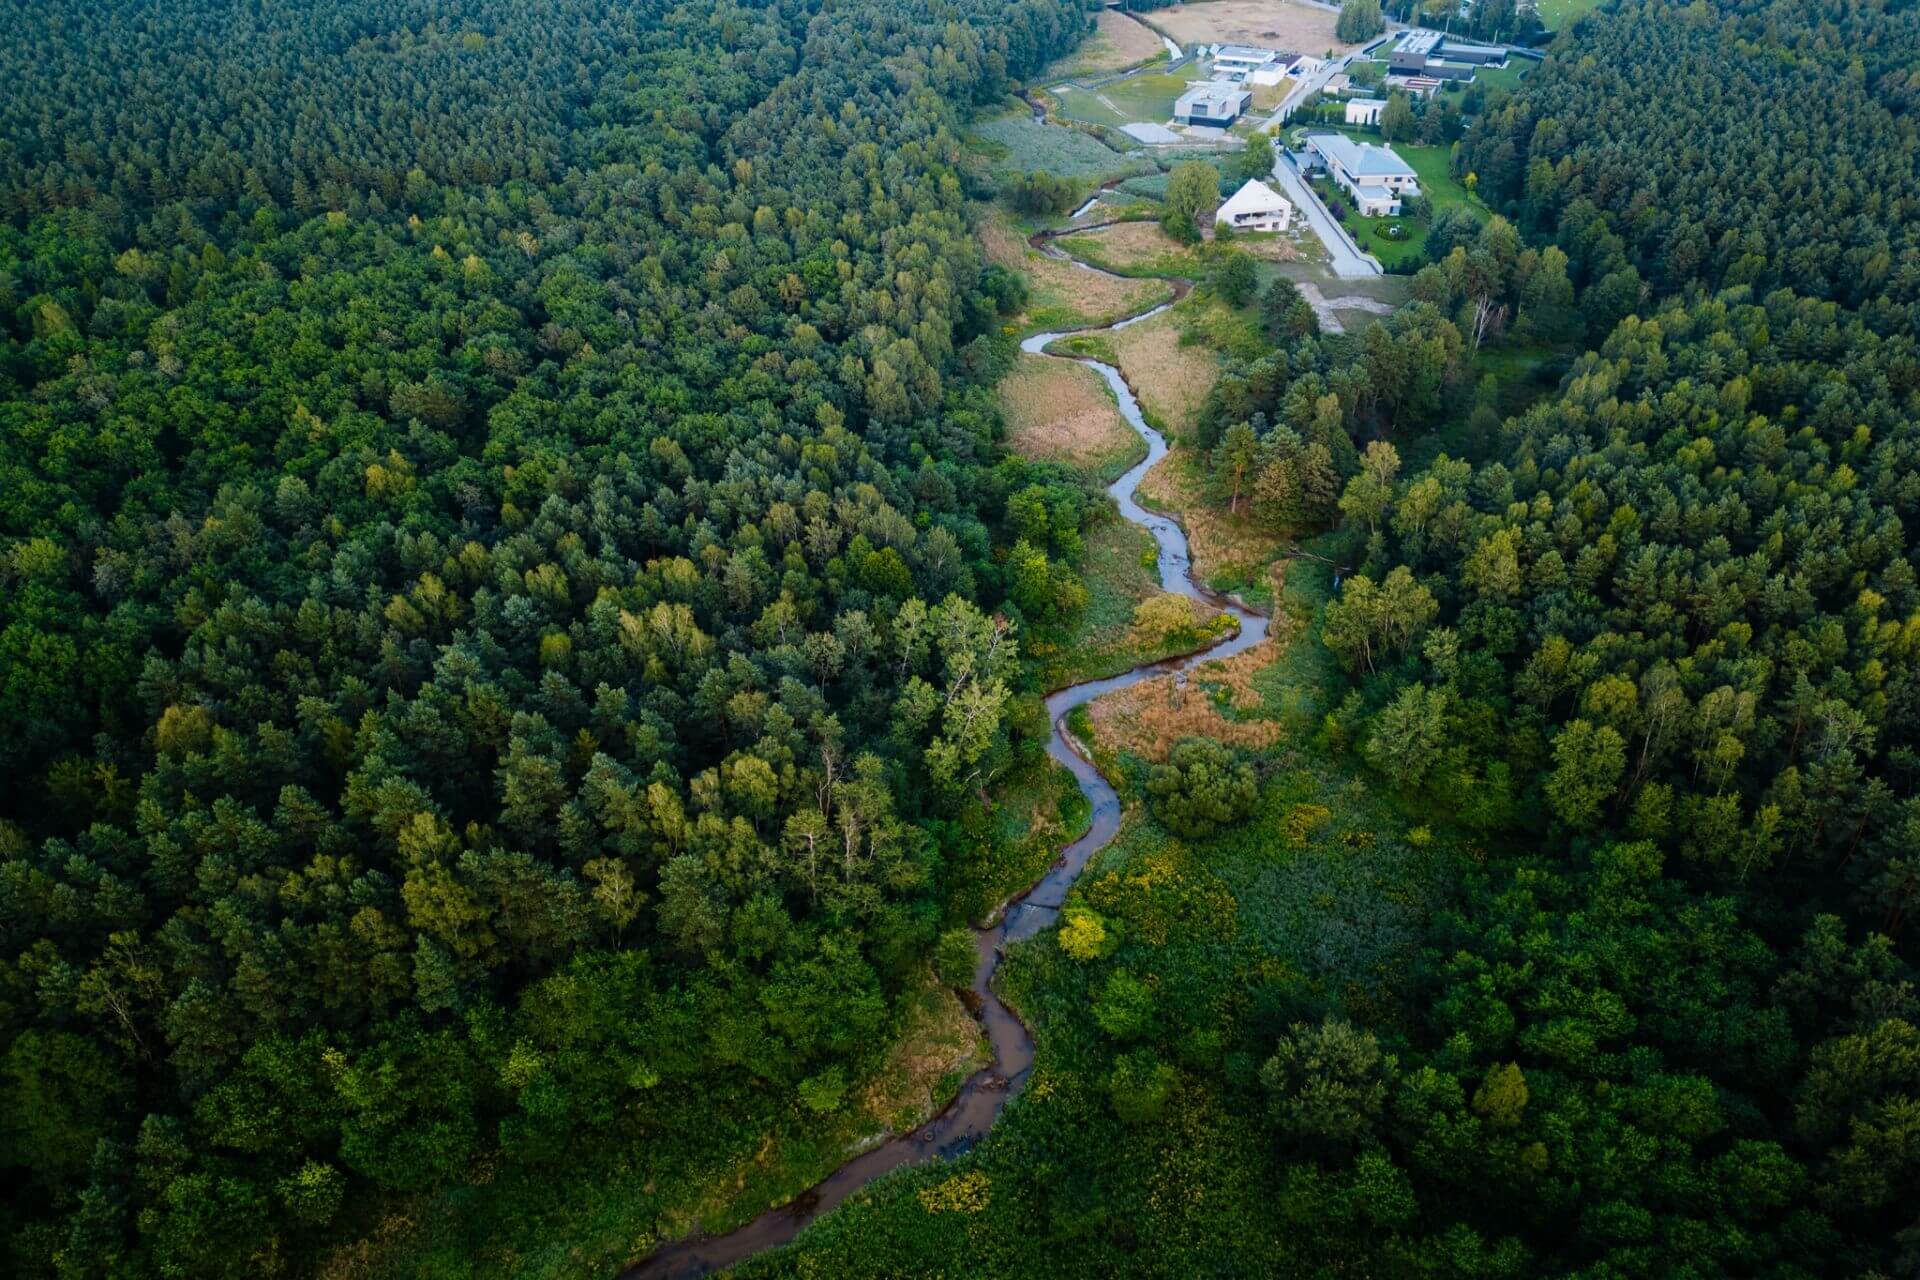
point(980, 1100)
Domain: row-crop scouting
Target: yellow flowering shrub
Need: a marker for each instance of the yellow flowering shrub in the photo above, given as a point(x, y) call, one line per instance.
point(968, 1192)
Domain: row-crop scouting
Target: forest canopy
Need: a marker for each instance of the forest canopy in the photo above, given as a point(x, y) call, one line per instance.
point(502, 576)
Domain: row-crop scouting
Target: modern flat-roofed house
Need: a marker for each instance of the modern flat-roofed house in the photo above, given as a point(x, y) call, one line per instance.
point(1409, 57)
point(1241, 58)
point(1374, 176)
point(1365, 110)
point(1255, 207)
point(1283, 65)
point(1218, 104)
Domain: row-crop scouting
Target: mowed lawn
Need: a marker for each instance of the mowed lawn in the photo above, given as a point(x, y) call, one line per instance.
point(1147, 98)
point(1558, 13)
point(1507, 77)
point(1433, 165)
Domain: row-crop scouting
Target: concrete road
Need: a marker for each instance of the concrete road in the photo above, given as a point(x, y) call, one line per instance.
point(1343, 254)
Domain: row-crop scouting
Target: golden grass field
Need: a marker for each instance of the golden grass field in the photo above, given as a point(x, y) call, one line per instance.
point(1221, 541)
point(1148, 718)
point(1131, 246)
point(1135, 246)
point(1062, 295)
point(1061, 411)
point(1118, 41)
point(1267, 24)
point(1170, 379)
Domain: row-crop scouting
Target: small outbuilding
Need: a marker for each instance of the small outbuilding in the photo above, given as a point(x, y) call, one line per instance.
point(1255, 207)
point(1365, 110)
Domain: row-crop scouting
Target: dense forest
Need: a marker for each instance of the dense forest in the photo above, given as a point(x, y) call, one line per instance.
point(502, 579)
point(1657, 643)
point(514, 610)
point(1767, 143)
point(1631, 670)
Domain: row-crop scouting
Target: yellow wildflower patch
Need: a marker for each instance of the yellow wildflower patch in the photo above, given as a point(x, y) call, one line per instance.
point(968, 1192)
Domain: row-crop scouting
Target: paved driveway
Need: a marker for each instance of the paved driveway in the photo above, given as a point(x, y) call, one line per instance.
point(1343, 254)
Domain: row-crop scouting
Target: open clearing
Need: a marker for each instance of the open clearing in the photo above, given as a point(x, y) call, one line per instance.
point(1060, 411)
point(1170, 379)
point(1331, 319)
point(1061, 295)
point(1147, 97)
point(939, 1046)
point(1142, 248)
point(1558, 13)
point(1269, 24)
point(1210, 702)
point(1117, 41)
point(1228, 549)
point(1132, 247)
point(1338, 290)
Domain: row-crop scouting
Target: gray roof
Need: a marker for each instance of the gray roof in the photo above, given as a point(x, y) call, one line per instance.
point(1361, 159)
point(1366, 102)
point(1245, 53)
point(1212, 100)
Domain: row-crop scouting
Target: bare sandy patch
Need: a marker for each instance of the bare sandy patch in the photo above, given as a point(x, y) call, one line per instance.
point(1267, 24)
point(1117, 41)
point(1329, 312)
point(1221, 541)
point(1060, 410)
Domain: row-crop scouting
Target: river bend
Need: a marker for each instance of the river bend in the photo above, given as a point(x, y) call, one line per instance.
point(978, 1104)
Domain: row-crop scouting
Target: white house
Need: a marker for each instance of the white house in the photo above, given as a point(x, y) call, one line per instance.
point(1374, 176)
point(1218, 104)
point(1255, 207)
point(1365, 110)
point(1241, 59)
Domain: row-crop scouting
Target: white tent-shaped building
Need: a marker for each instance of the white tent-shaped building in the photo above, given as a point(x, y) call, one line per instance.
point(1255, 207)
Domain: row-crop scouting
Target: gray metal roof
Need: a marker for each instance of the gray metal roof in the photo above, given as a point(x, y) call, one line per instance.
point(1361, 159)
